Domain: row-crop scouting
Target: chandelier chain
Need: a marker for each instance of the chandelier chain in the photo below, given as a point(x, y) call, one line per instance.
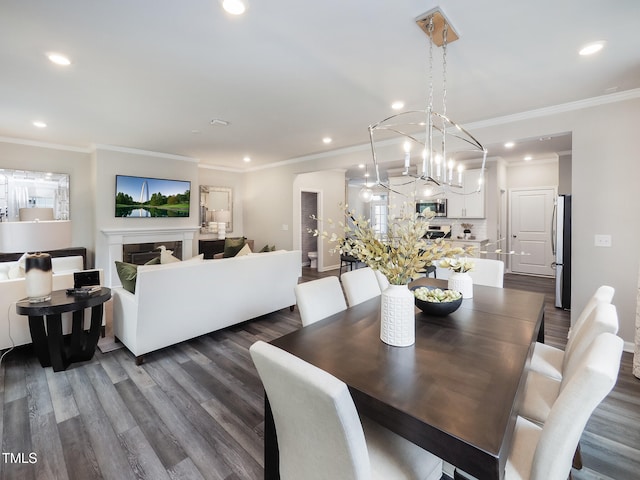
point(444, 101)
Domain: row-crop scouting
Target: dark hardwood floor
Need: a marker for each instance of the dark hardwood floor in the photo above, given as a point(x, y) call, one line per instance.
point(195, 410)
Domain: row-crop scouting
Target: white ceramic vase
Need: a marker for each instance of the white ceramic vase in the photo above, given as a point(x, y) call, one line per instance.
point(397, 316)
point(461, 282)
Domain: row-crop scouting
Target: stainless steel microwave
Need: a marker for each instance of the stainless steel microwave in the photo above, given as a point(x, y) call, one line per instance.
point(439, 206)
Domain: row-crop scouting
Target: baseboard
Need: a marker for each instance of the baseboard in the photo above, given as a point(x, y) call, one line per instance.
point(330, 267)
point(629, 347)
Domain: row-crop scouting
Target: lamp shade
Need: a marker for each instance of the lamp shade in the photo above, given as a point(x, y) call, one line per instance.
point(223, 216)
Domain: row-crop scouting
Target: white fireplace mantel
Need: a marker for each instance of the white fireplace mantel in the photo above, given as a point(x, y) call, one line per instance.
point(117, 237)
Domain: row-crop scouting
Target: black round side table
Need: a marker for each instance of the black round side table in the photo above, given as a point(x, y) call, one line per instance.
point(51, 347)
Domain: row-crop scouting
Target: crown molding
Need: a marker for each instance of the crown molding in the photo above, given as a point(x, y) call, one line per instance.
point(135, 151)
point(52, 146)
point(556, 109)
point(221, 169)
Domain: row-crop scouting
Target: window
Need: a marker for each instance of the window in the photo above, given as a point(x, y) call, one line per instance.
point(378, 214)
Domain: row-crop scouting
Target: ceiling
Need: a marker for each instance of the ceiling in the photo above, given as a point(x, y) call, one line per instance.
point(153, 74)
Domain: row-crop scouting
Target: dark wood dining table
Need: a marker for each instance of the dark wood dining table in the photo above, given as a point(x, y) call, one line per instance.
point(455, 392)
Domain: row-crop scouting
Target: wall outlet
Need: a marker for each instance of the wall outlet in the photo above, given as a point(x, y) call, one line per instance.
point(602, 241)
point(285, 226)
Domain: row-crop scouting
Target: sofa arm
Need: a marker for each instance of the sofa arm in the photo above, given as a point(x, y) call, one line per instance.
point(125, 316)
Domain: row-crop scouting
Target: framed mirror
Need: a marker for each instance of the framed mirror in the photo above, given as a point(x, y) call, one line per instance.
point(215, 202)
point(29, 194)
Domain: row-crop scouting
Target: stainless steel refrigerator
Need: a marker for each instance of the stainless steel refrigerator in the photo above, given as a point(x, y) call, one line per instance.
point(561, 245)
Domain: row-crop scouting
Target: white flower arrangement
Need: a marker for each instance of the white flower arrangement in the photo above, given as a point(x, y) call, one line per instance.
point(459, 265)
point(402, 257)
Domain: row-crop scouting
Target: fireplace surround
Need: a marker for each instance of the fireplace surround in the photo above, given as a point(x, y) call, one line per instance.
point(117, 238)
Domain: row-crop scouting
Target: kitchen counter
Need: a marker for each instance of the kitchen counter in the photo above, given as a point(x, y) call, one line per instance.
point(479, 244)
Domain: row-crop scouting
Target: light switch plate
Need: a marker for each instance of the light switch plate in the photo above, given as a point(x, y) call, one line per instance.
point(602, 241)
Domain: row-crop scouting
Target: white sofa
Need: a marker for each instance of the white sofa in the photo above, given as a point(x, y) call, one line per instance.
point(178, 301)
point(14, 328)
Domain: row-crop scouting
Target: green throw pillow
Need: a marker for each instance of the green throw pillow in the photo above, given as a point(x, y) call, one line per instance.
point(265, 249)
point(128, 273)
point(232, 245)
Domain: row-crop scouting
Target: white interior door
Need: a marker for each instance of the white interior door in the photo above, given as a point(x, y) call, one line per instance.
point(531, 214)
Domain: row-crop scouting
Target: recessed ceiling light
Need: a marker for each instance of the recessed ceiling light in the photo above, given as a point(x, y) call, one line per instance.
point(327, 140)
point(397, 105)
point(247, 159)
point(592, 48)
point(361, 165)
point(527, 158)
point(509, 145)
point(39, 124)
point(59, 59)
point(234, 7)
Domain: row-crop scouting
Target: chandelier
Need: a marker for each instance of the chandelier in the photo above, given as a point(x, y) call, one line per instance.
point(431, 143)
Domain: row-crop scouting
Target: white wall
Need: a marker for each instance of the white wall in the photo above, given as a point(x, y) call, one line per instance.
point(543, 173)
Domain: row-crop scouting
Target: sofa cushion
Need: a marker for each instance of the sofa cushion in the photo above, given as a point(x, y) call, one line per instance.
point(166, 256)
point(232, 245)
point(127, 273)
point(246, 250)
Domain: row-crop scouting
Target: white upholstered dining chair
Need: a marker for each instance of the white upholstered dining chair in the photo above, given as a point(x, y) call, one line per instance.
point(359, 285)
point(319, 299)
point(488, 272)
point(541, 391)
point(547, 359)
point(546, 452)
point(605, 294)
point(320, 435)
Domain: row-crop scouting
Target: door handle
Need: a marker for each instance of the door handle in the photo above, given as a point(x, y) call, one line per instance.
point(514, 236)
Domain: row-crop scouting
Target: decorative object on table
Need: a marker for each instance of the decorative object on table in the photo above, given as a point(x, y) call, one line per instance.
point(435, 301)
point(213, 229)
point(39, 277)
point(459, 280)
point(222, 217)
point(467, 230)
point(401, 257)
point(397, 316)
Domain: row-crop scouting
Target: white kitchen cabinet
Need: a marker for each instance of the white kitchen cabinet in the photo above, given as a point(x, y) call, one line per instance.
point(469, 204)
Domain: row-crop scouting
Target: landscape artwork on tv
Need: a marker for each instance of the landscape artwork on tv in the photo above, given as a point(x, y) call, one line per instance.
point(141, 197)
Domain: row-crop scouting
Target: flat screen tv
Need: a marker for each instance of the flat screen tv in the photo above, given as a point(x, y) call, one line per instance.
point(142, 197)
